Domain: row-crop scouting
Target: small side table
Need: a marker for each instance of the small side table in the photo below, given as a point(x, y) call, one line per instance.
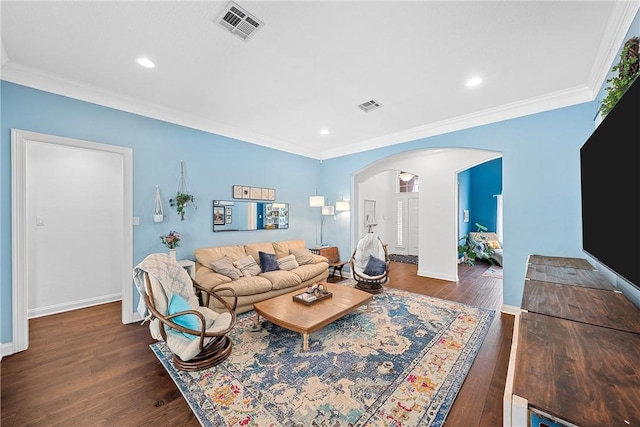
point(188, 265)
point(333, 256)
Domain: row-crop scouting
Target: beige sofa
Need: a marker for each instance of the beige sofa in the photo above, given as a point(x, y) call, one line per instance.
point(311, 268)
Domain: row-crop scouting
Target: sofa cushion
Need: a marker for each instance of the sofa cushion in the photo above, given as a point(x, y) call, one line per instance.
point(225, 267)
point(248, 286)
point(288, 263)
point(254, 249)
point(206, 256)
point(248, 266)
point(309, 271)
point(375, 267)
point(303, 256)
point(283, 247)
point(268, 262)
point(209, 278)
point(281, 279)
point(494, 244)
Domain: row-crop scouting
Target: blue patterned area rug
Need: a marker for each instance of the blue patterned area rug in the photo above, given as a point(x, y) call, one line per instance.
point(400, 364)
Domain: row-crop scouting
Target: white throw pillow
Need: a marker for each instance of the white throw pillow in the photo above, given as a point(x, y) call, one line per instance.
point(225, 267)
point(288, 263)
point(248, 266)
point(303, 256)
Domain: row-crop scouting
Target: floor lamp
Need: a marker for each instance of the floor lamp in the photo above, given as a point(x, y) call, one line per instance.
point(317, 201)
point(326, 211)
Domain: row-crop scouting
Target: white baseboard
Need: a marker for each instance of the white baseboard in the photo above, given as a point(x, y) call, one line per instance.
point(7, 349)
point(72, 305)
point(433, 275)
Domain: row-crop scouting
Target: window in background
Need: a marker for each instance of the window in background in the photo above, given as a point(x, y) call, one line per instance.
point(408, 183)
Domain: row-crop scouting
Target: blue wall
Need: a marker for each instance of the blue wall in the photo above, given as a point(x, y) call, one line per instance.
point(540, 175)
point(476, 189)
point(486, 182)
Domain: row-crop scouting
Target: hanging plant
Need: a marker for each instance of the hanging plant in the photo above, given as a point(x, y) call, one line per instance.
point(628, 69)
point(183, 198)
point(180, 202)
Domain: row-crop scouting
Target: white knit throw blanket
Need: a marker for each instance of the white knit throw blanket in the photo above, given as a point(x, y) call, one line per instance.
point(173, 278)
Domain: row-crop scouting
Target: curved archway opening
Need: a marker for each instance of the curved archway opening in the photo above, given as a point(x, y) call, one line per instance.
point(436, 202)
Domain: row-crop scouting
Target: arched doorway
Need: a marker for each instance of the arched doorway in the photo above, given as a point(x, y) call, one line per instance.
point(437, 201)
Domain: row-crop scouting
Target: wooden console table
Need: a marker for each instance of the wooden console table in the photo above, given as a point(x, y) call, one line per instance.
point(574, 353)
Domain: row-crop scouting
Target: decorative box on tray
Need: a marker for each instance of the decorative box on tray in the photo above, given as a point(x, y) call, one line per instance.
point(313, 294)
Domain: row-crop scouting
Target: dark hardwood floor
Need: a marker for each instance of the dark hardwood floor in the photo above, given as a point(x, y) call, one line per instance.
point(85, 368)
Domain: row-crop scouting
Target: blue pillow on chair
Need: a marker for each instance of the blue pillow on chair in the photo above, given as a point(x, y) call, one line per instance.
point(178, 304)
point(375, 267)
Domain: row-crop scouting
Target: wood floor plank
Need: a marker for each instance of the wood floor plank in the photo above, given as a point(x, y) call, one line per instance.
point(85, 368)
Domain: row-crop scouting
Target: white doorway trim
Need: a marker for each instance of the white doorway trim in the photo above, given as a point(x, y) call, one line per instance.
point(19, 265)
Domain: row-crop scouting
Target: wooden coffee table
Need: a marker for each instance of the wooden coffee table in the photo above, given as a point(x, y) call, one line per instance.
point(306, 319)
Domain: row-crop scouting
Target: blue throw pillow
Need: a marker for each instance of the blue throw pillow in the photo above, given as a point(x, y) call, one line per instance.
point(375, 267)
point(178, 304)
point(268, 262)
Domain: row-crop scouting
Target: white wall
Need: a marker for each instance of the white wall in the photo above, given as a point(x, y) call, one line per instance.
point(380, 188)
point(75, 256)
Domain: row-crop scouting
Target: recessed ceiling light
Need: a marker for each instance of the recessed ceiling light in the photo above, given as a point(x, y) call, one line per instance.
point(474, 81)
point(146, 62)
point(324, 132)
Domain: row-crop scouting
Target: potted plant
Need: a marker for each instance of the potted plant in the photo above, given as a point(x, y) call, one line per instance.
point(471, 249)
point(180, 202)
point(467, 248)
point(628, 69)
point(171, 241)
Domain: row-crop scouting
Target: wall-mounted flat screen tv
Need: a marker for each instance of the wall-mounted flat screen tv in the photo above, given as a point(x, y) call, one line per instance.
point(610, 180)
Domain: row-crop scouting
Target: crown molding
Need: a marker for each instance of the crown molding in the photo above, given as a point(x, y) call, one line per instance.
point(48, 82)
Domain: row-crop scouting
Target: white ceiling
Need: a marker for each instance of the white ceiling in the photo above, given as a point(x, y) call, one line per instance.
point(313, 62)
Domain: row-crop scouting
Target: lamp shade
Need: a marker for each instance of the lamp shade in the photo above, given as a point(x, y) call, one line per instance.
point(342, 205)
point(316, 201)
point(327, 210)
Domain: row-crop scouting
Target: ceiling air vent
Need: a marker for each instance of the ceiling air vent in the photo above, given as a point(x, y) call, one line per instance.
point(239, 22)
point(369, 106)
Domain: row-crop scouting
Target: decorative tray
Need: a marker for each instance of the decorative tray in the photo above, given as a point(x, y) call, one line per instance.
point(310, 299)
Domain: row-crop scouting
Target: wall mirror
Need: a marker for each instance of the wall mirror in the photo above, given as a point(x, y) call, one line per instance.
point(240, 215)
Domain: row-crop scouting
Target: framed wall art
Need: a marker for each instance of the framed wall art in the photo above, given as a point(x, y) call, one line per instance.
point(253, 193)
point(237, 191)
point(218, 215)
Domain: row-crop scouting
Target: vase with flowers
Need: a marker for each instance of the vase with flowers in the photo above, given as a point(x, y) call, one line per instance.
point(171, 241)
